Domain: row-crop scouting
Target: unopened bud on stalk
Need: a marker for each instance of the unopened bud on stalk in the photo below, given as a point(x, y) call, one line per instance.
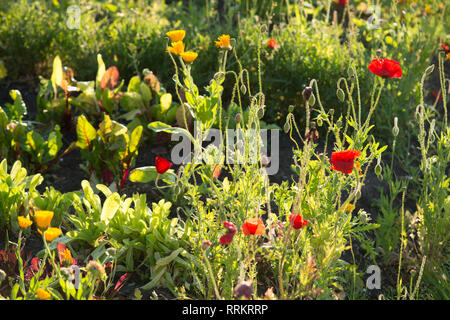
point(264, 28)
point(379, 53)
point(238, 118)
point(218, 76)
point(339, 123)
point(243, 89)
point(395, 129)
point(331, 112)
point(287, 127)
point(340, 94)
point(307, 92)
point(319, 122)
point(291, 108)
point(260, 113)
point(206, 244)
point(265, 161)
point(378, 167)
point(429, 70)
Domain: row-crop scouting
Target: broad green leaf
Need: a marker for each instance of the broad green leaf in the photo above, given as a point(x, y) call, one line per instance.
point(165, 101)
point(101, 69)
point(147, 174)
point(134, 85)
point(57, 74)
point(110, 207)
point(135, 139)
point(146, 93)
point(85, 132)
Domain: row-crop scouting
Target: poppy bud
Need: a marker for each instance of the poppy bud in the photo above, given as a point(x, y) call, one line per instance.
point(287, 127)
point(429, 70)
point(291, 108)
point(206, 244)
point(265, 161)
point(260, 113)
point(378, 168)
point(331, 112)
point(244, 289)
point(379, 53)
point(312, 100)
point(339, 123)
point(395, 130)
point(264, 28)
point(238, 118)
point(243, 89)
point(218, 76)
point(319, 122)
point(340, 94)
point(307, 93)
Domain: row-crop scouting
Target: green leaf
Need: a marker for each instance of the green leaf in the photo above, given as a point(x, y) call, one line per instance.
point(165, 101)
point(147, 174)
point(155, 280)
point(146, 93)
point(110, 207)
point(101, 69)
point(57, 74)
point(135, 139)
point(134, 85)
point(85, 132)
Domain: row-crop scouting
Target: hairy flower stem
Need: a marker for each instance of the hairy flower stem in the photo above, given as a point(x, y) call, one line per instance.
point(211, 276)
point(281, 263)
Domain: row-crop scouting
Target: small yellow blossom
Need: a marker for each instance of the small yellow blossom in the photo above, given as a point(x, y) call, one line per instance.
point(189, 56)
point(43, 218)
point(66, 257)
point(43, 294)
point(223, 42)
point(176, 35)
point(24, 222)
point(51, 234)
point(358, 166)
point(349, 208)
point(427, 10)
point(448, 56)
point(177, 47)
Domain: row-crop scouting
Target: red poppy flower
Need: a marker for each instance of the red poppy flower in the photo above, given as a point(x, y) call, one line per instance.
point(445, 47)
point(385, 68)
point(226, 238)
point(342, 3)
point(344, 160)
point(272, 44)
point(253, 226)
point(230, 227)
point(297, 221)
point(162, 165)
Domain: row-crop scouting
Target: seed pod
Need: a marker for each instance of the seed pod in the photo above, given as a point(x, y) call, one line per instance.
point(265, 161)
point(378, 169)
point(291, 108)
point(218, 76)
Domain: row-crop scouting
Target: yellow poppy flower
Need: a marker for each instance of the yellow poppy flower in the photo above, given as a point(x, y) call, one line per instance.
point(43, 218)
point(176, 35)
point(448, 56)
point(223, 42)
point(189, 56)
point(51, 234)
point(24, 222)
point(177, 47)
point(427, 10)
point(43, 294)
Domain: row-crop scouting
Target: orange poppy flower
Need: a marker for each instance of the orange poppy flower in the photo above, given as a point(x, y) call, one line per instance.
point(253, 226)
